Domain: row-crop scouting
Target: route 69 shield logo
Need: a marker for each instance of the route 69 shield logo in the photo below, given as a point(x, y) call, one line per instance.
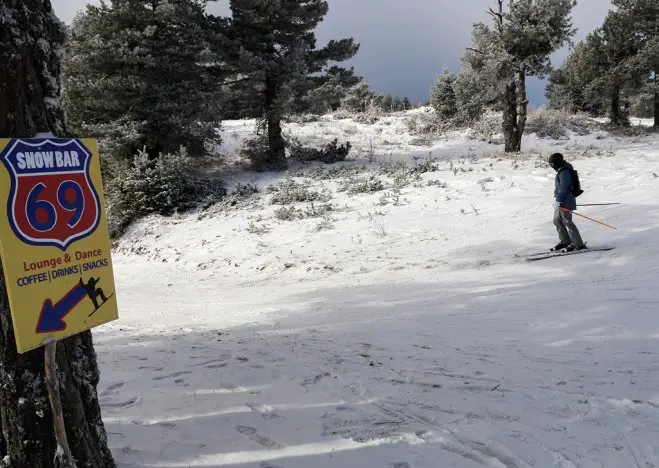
point(52, 199)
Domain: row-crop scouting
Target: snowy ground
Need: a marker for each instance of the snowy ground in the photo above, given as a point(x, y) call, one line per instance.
point(399, 330)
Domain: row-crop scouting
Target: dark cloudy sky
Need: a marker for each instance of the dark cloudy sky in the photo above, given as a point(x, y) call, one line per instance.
point(405, 43)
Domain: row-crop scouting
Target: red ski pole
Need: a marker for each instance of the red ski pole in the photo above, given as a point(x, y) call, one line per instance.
point(588, 218)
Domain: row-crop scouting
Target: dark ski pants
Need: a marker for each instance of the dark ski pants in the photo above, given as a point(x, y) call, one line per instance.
point(567, 231)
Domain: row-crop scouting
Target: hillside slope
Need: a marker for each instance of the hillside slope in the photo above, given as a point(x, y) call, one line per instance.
point(396, 327)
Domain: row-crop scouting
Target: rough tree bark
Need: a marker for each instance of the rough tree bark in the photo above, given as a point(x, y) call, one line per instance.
point(615, 116)
point(276, 158)
point(515, 103)
point(515, 113)
point(32, 38)
point(655, 71)
point(510, 131)
point(656, 101)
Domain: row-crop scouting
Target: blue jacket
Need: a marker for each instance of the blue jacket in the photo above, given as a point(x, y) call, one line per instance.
point(564, 191)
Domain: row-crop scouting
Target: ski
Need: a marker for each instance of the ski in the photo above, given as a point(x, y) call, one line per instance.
point(533, 258)
point(535, 254)
point(519, 255)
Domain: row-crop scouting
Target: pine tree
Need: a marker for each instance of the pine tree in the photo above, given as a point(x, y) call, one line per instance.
point(574, 85)
point(358, 98)
point(503, 56)
point(321, 94)
point(271, 47)
point(617, 80)
point(140, 73)
point(442, 95)
point(32, 43)
point(641, 23)
point(388, 103)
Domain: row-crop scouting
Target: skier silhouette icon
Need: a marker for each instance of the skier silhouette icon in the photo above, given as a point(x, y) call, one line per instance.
point(93, 292)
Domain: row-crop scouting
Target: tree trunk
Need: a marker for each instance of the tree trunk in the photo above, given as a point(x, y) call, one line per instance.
point(29, 93)
point(656, 102)
point(523, 104)
point(276, 158)
point(615, 116)
point(511, 135)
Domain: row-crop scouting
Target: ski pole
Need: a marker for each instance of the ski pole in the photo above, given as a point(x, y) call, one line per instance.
point(588, 218)
point(598, 204)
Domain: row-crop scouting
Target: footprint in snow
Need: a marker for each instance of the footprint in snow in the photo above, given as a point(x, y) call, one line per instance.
point(315, 379)
point(122, 404)
point(112, 389)
point(174, 374)
point(256, 436)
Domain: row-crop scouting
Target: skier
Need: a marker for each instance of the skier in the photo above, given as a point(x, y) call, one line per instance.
point(568, 234)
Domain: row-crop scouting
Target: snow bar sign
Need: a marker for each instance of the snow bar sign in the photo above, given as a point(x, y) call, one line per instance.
point(54, 239)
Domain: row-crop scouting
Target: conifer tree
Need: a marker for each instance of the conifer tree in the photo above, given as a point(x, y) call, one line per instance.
point(141, 73)
point(641, 24)
point(271, 48)
point(359, 98)
point(575, 85)
point(442, 95)
point(502, 56)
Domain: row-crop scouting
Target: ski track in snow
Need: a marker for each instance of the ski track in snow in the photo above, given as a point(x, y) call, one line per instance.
point(429, 346)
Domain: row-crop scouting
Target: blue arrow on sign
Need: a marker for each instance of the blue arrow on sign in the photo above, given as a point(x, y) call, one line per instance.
point(52, 316)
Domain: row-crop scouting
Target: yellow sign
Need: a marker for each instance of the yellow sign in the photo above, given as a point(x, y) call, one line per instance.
point(54, 239)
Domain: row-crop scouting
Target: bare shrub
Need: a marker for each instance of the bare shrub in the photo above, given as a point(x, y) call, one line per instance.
point(488, 128)
point(342, 114)
point(426, 126)
point(555, 124)
point(355, 185)
point(253, 228)
point(330, 154)
point(303, 118)
point(256, 151)
point(291, 213)
point(289, 191)
point(325, 224)
point(244, 190)
point(288, 213)
point(330, 173)
point(368, 118)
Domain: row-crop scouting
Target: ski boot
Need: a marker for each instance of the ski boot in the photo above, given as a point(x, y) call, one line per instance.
point(571, 248)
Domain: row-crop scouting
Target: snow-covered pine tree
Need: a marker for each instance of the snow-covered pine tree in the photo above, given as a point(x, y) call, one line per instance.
point(641, 20)
point(273, 52)
point(388, 103)
point(358, 98)
point(141, 73)
point(442, 95)
point(599, 75)
point(573, 86)
point(616, 76)
point(320, 94)
point(323, 92)
point(501, 58)
point(32, 43)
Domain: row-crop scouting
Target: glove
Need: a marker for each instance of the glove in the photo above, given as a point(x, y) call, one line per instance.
point(556, 204)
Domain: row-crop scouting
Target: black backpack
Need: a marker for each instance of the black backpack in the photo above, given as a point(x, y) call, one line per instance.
point(576, 184)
